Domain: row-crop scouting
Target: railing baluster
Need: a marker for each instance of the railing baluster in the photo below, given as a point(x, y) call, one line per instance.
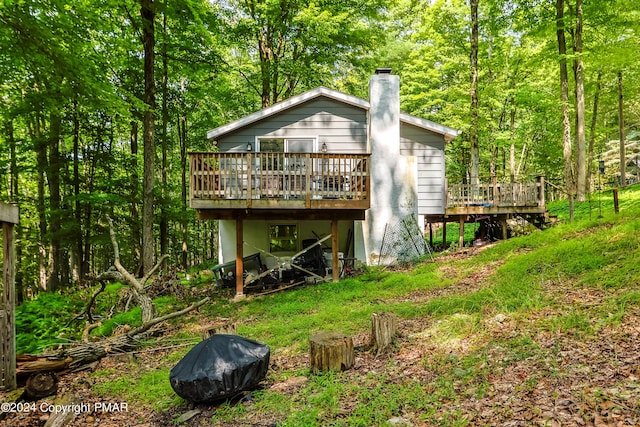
point(496, 195)
point(301, 176)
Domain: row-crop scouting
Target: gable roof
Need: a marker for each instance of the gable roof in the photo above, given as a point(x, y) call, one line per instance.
point(321, 91)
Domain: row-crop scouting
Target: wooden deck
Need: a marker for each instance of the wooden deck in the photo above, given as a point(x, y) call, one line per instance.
point(496, 198)
point(222, 183)
point(495, 202)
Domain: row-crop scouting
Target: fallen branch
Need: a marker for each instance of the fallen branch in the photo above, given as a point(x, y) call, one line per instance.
point(85, 353)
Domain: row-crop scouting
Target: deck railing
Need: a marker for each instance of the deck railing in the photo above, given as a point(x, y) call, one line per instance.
point(310, 176)
point(497, 194)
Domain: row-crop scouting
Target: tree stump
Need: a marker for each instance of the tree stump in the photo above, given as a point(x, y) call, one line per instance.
point(222, 327)
point(384, 327)
point(331, 351)
point(39, 385)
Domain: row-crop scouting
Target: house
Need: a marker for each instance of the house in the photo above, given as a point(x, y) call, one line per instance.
point(324, 165)
point(317, 164)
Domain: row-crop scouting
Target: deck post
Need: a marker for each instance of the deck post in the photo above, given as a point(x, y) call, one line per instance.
point(335, 262)
point(541, 197)
point(9, 216)
point(444, 234)
point(461, 238)
point(239, 255)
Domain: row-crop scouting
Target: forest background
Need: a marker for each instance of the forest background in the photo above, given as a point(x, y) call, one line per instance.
point(102, 100)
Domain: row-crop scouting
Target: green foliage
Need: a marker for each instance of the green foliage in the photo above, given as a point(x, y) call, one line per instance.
point(131, 318)
point(44, 322)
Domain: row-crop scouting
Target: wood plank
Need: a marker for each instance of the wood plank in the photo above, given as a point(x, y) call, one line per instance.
point(285, 215)
point(8, 324)
point(9, 213)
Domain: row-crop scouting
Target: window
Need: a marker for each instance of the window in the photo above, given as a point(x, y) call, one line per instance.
point(286, 145)
point(279, 146)
point(283, 238)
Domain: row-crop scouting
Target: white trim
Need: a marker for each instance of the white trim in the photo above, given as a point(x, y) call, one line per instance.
point(447, 132)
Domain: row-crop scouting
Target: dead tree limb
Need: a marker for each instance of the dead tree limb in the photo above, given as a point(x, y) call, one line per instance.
point(85, 353)
point(136, 286)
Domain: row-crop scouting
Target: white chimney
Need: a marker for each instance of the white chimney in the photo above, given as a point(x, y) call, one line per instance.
point(392, 193)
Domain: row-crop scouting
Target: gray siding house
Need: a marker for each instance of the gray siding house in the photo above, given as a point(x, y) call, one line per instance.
point(317, 164)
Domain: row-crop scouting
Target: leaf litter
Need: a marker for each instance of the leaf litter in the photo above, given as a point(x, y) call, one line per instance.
point(530, 375)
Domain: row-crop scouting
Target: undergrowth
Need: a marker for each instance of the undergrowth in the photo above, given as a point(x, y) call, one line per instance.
point(541, 285)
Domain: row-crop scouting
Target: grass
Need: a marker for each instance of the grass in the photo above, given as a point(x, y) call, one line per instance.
point(541, 291)
point(145, 387)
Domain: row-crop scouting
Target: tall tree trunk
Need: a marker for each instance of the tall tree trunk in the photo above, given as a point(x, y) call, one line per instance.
point(564, 99)
point(266, 58)
point(182, 137)
point(623, 157)
point(592, 130)
point(134, 212)
point(512, 131)
point(164, 222)
point(40, 145)
point(55, 204)
point(475, 115)
point(148, 13)
point(88, 212)
point(13, 196)
point(78, 249)
point(13, 162)
point(581, 145)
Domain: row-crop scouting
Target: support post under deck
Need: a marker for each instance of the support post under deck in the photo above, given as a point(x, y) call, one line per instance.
point(239, 256)
point(335, 262)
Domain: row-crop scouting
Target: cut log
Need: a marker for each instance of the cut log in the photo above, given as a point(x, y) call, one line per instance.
point(331, 351)
point(27, 365)
point(384, 327)
point(40, 385)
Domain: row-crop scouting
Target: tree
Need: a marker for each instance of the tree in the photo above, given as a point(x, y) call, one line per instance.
point(148, 14)
point(581, 147)
point(564, 91)
point(292, 45)
point(473, 128)
point(623, 156)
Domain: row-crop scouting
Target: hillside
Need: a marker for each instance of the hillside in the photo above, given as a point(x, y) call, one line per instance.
point(538, 330)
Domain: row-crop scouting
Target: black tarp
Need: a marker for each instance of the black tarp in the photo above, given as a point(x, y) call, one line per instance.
point(220, 367)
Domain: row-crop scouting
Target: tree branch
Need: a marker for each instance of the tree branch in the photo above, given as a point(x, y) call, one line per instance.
point(154, 269)
point(128, 277)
